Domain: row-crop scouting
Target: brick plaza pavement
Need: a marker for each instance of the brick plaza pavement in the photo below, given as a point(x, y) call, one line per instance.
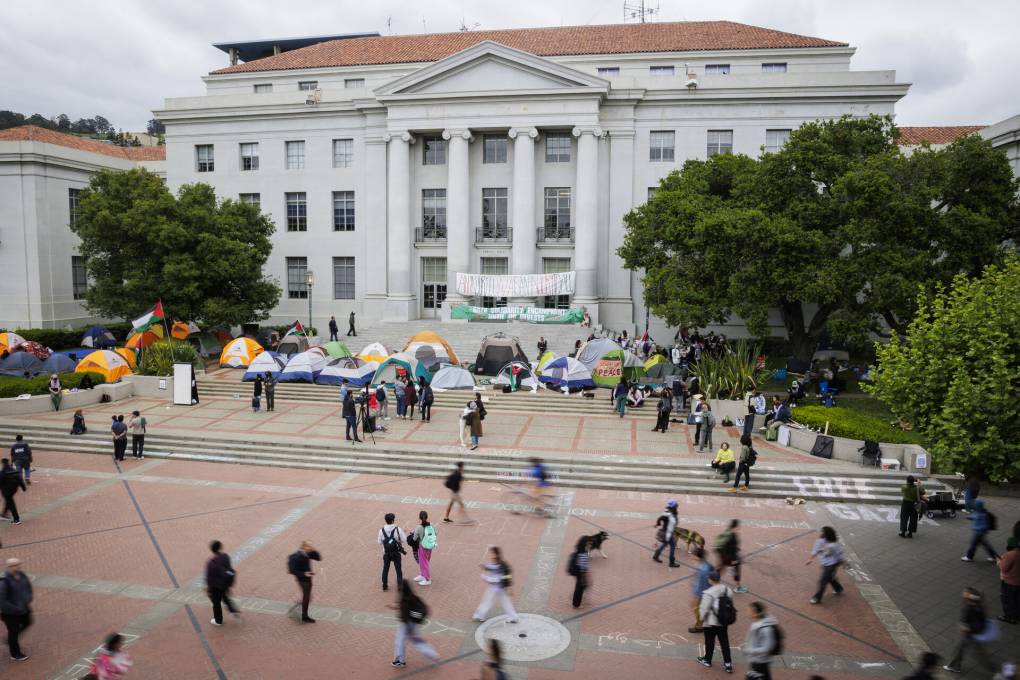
point(123, 551)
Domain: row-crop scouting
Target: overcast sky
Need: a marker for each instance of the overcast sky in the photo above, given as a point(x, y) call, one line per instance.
point(120, 58)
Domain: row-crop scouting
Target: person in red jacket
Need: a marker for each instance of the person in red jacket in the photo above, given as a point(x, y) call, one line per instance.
point(1009, 575)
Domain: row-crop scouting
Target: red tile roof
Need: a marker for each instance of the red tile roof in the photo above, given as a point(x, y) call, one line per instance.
point(912, 136)
point(686, 36)
point(33, 133)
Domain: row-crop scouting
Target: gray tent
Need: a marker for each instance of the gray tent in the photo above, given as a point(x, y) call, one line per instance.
point(453, 378)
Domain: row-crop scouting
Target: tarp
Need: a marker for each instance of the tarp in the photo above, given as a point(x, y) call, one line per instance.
point(566, 372)
point(19, 363)
point(593, 350)
point(515, 285)
point(387, 371)
point(98, 337)
point(497, 351)
point(240, 353)
point(292, 343)
point(548, 356)
point(107, 363)
point(59, 363)
point(354, 370)
point(616, 364)
point(337, 350)
point(41, 352)
point(434, 339)
point(374, 351)
point(453, 378)
point(304, 367)
point(9, 340)
point(266, 362)
point(532, 314)
point(525, 376)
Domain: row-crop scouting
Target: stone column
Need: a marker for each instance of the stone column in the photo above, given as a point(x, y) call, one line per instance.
point(401, 301)
point(374, 200)
point(585, 219)
point(458, 214)
point(523, 196)
point(618, 309)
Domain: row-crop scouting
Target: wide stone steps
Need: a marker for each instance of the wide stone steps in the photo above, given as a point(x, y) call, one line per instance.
point(570, 470)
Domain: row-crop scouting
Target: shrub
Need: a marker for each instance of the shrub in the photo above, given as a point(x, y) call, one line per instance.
point(844, 422)
point(13, 387)
point(61, 338)
point(731, 375)
point(159, 358)
point(282, 330)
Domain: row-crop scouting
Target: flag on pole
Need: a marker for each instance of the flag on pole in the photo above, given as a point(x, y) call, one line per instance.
point(151, 318)
point(296, 329)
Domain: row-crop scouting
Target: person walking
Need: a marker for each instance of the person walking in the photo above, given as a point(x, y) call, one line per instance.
point(137, 427)
point(219, 579)
point(392, 539)
point(15, 605)
point(412, 612)
point(119, 431)
point(112, 662)
point(699, 585)
point(577, 566)
point(973, 625)
point(662, 410)
point(55, 391)
point(350, 323)
point(424, 537)
point(666, 533)
point(830, 554)
point(411, 394)
point(762, 643)
point(350, 415)
point(980, 525)
point(927, 668)
point(707, 425)
point(620, 397)
point(453, 482)
point(299, 565)
point(334, 332)
point(425, 399)
point(748, 457)
point(717, 614)
point(1009, 578)
point(10, 483)
point(727, 546)
point(492, 669)
point(256, 397)
point(910, 495)
point(21, 457)
point(971, 491)
point(496, 573)
point(269, 383)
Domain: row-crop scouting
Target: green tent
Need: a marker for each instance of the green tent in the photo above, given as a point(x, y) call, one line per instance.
point(613, 365)
point(337, 350)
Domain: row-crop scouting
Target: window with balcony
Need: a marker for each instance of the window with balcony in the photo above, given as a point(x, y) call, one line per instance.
point(556, 225)
point(297, 212)
point(720, 141)
point(343, 153)
point(494, 149)
point(204, 159)
point(555, 265)
point(297, 278)
point(661, 145)
point(557, 147)
point(494, 213)
point(343, 278)
point(433, 215)
point(250, 156)
point(434, 151)
point(343, 211)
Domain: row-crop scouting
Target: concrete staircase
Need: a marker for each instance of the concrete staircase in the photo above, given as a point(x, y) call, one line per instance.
point(836, 483)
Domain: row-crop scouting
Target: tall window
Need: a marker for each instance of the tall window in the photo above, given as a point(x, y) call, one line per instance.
point(494, 213)
point(717, 68)
point(556, 265)
point(651, 192)
point(204, 161)
point(295, 155)
point(495, 266)
point(250, 156)
point(354, 83)
point(661, 145)
point(720, 141)
point(433, 214)
point(774, 67)
point(72, 206)
point(343, 278)
point(608, 70)
point(494, 149)
point(79, 279)
point(297, 212)
point(433, 278)
point(307, 84)
point(343, 211)
point(434, 150)
point(251, 199)
point(661, 70)
point(557, 147)
point(262, 88)
point(557, 212)
point(775, 139)
point(297, 277)
point(343, 153)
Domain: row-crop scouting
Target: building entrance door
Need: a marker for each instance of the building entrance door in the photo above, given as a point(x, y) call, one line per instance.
point(433, 286)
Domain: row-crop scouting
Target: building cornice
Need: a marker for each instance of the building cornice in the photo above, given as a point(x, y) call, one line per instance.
point(34, 158)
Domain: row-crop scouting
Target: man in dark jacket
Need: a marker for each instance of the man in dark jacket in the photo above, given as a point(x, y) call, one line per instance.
point(270, 385)
point(972, 624)
point(300, 566)
point(350, 322)
point(21, 457)
point(334, 332)
point(15, 605)
point(350, 415)
point(219, 578)
point(10, 482)
point(427, 397)
point(542, 346)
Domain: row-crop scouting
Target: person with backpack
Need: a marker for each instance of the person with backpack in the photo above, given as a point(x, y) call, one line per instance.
point(748, 457)
point(21, 457)
point(974, 632)
point(412, 612)
point(424, 537)
point(927, 668)
point(981, 522)
point(300, 567)
point(727, 547)
point(137, 427)
point(391, 538)
point(10, 483)
point(764, 640)
point(707, 425)
point(718, 613)
point(492, 669)
point(830, 555)
point(15, 605)
point(665, 533)
point(577, 566)
point(219, 579)
point(380, 397)
point(496, 573)
point(453, 482)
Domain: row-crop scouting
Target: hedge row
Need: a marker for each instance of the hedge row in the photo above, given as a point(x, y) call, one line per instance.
point(852, 424)
point(60, 338)
point(13, 387)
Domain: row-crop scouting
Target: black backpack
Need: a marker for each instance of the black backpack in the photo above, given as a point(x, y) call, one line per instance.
point(752, 457)
point(780, 637)
point(506, 579)
point(449, 483)
point(992, 521)
point(416, 609)
point(725, 611)
point(391, 542)
point(572, 567)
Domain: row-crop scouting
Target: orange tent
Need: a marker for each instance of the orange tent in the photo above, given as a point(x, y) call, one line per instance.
point(145, 338)
point(430, 338)
point(182, 329)
point(128, 354)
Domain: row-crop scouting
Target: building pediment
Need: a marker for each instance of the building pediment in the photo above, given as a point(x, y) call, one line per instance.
point(491, 68)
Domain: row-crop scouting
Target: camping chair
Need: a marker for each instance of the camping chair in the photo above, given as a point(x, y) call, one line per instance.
point(871, 454)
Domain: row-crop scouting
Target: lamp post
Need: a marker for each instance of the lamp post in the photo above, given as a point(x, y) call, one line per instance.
point(309, 281)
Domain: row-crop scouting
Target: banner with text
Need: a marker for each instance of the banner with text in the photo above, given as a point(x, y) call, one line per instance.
point(532, 314)
point(515, 285)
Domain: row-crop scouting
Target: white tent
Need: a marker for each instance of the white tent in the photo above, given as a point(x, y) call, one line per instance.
point(566, 372)
point(267, 362)
point(304, 367)
point(593, 350)
point(353, 370)
point(453, 378)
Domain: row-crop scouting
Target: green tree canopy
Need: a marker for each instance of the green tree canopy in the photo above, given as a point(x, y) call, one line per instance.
point(202, 257)
point(954, 375)
point(836, 231)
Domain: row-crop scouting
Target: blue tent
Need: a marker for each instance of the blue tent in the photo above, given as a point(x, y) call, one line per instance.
point(98, 337)
point(76, 354)
point(355, 371)
point(19, 363)
point(59, 363)
point(566, 372)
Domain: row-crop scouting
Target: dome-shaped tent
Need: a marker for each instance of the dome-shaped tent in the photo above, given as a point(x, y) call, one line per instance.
point(497, 351)
point(98, 337)
point(59, 363)
point(20, 363)
point(107, 363)
point(524, 377)
point(387, 371)
point(593, 350)
point(355, 371)
point(305, 366)
point(441, 347)
point(240, 353)
point(546, 357)
point(453, 378)
point(9, 341)
point(128, 354)
point(374, 351)
point(566, 372)
point(266, 362)
point(616, 364)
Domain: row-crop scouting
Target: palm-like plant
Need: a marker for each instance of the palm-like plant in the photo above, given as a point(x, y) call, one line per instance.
point(731, 375)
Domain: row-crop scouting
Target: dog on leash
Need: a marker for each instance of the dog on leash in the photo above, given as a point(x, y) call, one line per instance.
point(595, 542)
point(690, 537)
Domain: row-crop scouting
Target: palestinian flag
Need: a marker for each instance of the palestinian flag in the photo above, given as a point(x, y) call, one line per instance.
point(146, 321)
point(296, 329)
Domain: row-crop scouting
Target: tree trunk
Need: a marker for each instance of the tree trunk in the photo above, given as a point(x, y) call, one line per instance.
point(802, 340)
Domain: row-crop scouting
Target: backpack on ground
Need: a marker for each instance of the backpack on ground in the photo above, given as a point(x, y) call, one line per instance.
point(573, 569)
point(428, 539)
point(391, 543)
point(725, 611)
point(778, 638)
point(992, 521)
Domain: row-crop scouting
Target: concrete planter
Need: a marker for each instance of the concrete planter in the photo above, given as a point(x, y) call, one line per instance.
point(40, 403)
point(149, 386)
